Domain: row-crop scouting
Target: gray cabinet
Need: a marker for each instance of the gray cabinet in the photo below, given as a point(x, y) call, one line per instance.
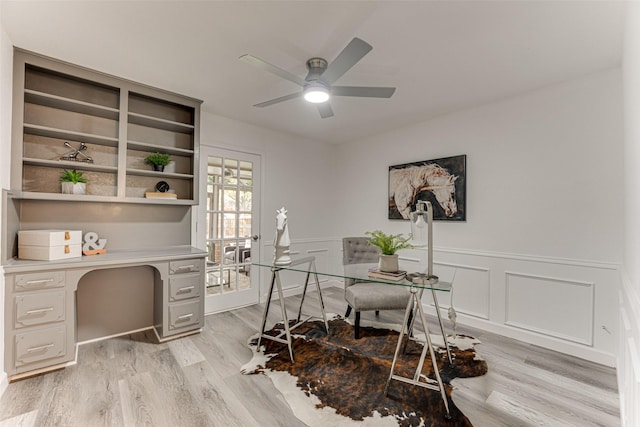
point(58, 107)
point(181, 307)
point(40, 303)
point(38, 321)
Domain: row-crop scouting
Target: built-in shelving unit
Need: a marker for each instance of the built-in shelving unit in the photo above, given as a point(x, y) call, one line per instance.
point(120, 122)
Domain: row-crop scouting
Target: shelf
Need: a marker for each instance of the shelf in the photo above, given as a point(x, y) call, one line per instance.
point(26, 195)
point(141, 172)
point(152, 148)
point(68, 104)
point(70, 135)
point(65, 164)
point(154, 122)
point(120, 121)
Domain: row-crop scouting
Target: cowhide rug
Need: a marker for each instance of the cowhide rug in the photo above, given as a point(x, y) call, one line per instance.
point(337, 380)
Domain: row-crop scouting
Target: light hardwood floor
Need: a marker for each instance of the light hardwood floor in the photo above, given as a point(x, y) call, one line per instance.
point(196, 381)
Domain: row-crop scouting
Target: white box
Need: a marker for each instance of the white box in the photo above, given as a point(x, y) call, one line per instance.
point(49, 245)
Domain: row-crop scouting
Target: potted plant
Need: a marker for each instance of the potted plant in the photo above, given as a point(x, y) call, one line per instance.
point(389, 244)
point(73, 182)
point(157, 160)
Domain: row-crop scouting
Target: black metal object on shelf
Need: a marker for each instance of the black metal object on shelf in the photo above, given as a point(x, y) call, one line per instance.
point(73, 155)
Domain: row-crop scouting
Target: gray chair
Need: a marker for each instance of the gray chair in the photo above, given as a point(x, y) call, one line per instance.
point(367, 296)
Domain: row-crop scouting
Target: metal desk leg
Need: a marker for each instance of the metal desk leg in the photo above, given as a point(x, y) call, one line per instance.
point(266, 308)
point(312, 269)
point(444, 335)
point(275, 279)
point(284, 316)
point(416, 297)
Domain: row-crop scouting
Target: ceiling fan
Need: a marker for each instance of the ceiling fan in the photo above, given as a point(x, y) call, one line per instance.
point(317, 86)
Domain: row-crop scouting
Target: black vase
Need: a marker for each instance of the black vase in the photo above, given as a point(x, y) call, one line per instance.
point(158, 168)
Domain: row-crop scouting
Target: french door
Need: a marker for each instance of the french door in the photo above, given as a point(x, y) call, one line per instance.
point(231, 233)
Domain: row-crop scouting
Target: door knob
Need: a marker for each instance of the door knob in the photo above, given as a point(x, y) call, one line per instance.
point(255, 237)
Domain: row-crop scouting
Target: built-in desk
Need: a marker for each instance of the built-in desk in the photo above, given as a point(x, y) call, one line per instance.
point(40, 302)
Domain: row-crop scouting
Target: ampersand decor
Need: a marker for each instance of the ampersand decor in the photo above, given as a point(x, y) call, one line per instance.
point(93, 245)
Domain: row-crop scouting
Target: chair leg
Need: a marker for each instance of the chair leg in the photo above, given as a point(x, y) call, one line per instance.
point(357, 328)
point(348, 311)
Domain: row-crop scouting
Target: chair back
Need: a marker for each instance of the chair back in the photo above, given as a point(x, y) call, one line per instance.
point(357, 250)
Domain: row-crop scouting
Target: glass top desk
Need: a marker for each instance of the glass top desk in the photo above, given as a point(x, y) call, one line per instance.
point(360, 273)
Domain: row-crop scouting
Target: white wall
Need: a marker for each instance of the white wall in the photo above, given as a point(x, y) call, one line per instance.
point(544, 217)
point(629, 302)
point(6, 66)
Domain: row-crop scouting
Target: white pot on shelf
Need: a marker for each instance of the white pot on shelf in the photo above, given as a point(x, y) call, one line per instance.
point(171, 167)
point(71, 188)
point(388, 263)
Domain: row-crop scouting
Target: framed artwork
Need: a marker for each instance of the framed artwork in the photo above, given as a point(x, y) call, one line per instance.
point(443, 182)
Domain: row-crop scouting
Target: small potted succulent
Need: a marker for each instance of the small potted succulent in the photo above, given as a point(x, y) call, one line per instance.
point(157, 160)
point(389, 244)
point(73, 182)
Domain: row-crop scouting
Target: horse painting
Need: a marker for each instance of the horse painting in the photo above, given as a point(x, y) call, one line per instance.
point(407, 182)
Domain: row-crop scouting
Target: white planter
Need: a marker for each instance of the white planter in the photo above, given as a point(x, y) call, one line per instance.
point(171, 167)
point(71, 188)
point(388, 263)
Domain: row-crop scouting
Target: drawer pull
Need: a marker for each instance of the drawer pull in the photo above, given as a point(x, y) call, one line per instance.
point(186, 288)
point(39, 282)
point(185, 267)
point(40, 310)
point(185, 316)
point(42, 347)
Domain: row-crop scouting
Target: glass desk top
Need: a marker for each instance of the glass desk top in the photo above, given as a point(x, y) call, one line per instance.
point(360, 273)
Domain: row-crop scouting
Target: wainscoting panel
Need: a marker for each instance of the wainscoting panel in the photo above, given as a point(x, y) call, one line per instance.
point(558, 307)
point(470, 292)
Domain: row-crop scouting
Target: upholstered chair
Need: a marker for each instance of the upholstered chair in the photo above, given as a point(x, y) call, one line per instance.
point(367, 296)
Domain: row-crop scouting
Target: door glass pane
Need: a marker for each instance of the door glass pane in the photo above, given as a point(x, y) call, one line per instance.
point(230, 172)
point(245, 200)
point(228, 224)
point(245, 226)
point(246, 173)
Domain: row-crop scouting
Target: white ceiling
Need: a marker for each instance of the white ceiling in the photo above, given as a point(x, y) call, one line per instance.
point(442, 56)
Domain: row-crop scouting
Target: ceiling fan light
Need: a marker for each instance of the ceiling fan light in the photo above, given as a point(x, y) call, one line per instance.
point(316, 93)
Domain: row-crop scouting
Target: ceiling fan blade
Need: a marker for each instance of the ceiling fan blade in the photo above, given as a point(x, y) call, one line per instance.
point(350, 55)
point(363, 91)
point(325, 110)
point(259, 63)
point(281, 99)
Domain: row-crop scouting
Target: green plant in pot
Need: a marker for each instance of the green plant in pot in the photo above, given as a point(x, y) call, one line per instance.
point(389, 244)
point(73, 182)
point(158, 161)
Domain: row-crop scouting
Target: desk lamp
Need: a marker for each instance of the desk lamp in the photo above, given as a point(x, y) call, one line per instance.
point(422, 233)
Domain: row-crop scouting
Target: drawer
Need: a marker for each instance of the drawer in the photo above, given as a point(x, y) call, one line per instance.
point(184, 286)
point(186, 266)
point(49, 253)
point(182, 315)
point(40, 345)
point(33, 281)
point(39, 308)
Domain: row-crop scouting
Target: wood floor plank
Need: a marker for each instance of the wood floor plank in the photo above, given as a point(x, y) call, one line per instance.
point(133, 380)
point(222, 406)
